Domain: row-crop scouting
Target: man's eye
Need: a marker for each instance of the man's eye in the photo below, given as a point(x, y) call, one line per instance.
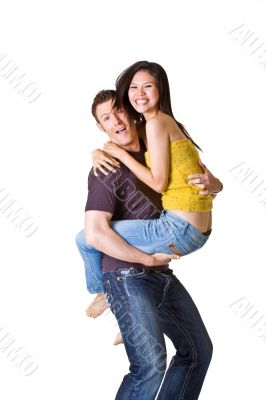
point(106, 118)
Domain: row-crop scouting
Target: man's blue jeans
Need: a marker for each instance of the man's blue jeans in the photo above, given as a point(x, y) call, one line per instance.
point(148, 305)
point(149, 236)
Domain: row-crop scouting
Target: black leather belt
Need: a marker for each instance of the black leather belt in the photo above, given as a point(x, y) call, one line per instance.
point(207, 233)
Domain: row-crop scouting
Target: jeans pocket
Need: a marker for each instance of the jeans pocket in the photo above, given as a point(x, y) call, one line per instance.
point(169, 248)
point(195, 239)
point(197, 235)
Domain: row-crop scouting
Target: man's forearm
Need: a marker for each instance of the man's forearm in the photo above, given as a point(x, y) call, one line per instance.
point(206, 182)
point(109, 242)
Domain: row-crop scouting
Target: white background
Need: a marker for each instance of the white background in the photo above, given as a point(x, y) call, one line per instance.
point(72, 50)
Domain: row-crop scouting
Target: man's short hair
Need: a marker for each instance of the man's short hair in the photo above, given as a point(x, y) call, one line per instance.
point(102, 97)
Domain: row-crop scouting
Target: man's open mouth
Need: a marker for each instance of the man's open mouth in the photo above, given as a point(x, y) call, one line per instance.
point(121, 130)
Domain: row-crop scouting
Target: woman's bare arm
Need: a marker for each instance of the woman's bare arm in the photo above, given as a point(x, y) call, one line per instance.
point(158, 145)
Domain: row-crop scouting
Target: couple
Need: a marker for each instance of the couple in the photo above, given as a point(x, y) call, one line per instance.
point(132, 232)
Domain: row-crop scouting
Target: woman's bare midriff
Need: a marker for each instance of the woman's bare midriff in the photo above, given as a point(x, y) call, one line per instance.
point(200, 220)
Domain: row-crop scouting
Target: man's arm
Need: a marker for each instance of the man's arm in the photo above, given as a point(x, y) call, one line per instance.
point(99, 234)
point(206, 181)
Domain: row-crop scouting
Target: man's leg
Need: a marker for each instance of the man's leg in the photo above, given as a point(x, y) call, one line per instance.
point(134, 306)
point(182, 323)
point(93, 271)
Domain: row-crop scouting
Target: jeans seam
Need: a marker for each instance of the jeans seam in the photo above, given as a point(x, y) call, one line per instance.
point(145, 235)
point(194, 352)
point(97, 283)
point(133, 395)
point(164, 291)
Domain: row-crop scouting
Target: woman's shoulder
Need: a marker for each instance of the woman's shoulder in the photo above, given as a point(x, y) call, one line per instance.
point(162, 124)
point(160, 121)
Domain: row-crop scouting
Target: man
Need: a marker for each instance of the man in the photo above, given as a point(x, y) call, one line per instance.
point(146, 298)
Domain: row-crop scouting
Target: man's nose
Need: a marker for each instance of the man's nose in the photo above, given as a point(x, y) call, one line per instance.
point(116, 119)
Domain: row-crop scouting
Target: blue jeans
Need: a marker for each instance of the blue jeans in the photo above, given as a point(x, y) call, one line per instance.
point(148, 305)
point(150, 236)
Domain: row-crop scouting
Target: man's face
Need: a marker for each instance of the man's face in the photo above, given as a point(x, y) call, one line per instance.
point(116, 124)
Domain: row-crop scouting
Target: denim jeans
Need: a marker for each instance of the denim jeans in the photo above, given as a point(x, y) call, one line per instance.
point(148, 305)
point(150, 236)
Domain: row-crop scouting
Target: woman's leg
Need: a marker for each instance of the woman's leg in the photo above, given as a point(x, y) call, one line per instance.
point(93, 264)
point(93, 272)
point(144, 234)
point(167, 234)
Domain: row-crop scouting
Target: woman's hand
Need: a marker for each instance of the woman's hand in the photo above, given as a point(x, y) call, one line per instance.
point(158, 259)
point(102, 160)
point(114, 150)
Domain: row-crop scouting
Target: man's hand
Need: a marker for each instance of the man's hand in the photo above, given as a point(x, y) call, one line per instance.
point(158, 259)
point(207, 182)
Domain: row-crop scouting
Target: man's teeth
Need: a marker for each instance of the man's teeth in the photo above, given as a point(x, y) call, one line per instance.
point(120, 130)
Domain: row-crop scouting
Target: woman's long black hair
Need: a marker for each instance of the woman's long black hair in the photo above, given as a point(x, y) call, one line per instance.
point(156, 70)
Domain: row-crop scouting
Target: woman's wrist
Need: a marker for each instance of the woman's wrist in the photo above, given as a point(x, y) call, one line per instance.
point(122, 156)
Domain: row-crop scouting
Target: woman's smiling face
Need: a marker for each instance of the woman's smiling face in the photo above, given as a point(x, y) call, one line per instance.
point(143, 92)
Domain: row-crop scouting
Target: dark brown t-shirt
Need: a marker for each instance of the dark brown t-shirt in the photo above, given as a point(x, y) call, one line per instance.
point(126, 197)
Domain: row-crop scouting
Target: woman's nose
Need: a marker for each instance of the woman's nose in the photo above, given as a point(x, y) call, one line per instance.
point(141, 90)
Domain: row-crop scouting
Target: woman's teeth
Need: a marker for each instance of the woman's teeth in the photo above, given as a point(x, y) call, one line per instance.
point(141, 102)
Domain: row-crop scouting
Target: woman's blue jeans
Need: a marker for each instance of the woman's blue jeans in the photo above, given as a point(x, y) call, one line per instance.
point(150, 236)
point(148, 305)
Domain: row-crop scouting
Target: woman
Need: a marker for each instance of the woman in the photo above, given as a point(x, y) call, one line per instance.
point(143, 91)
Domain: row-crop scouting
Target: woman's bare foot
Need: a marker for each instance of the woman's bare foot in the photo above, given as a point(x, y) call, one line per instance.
point(118, 339)
point(98, 306)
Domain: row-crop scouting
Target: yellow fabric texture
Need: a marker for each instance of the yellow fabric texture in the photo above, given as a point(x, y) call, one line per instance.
point(184, 161)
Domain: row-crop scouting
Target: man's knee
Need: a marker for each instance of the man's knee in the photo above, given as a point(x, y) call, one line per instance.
point(152, 370)
point(206, 353)
point(209, 351)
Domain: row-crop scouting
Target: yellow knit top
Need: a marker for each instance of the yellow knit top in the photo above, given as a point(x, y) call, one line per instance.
point(184, 160)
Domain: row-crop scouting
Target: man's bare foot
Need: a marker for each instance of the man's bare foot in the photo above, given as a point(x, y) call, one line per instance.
point(118, 339)
point(98, 306)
